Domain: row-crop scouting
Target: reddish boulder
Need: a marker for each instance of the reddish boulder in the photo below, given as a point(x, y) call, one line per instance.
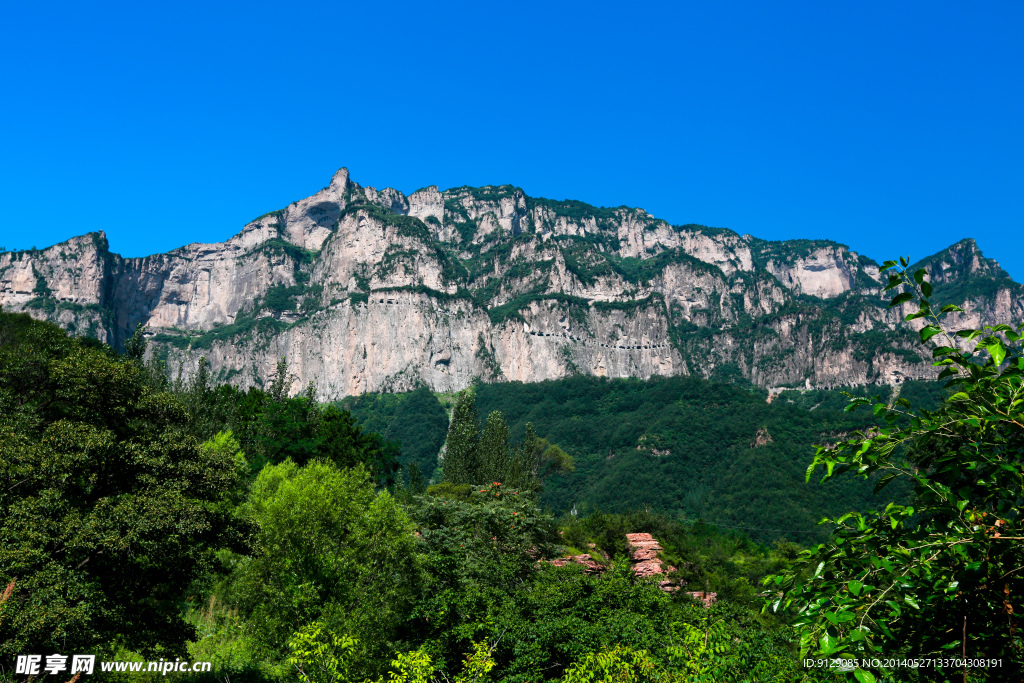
point(644, 551)
point(648, 568)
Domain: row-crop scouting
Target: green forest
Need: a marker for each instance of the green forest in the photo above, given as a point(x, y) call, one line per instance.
point(714, 452)
point(868, 535)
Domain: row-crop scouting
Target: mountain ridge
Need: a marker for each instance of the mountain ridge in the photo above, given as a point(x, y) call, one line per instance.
point(369, 290)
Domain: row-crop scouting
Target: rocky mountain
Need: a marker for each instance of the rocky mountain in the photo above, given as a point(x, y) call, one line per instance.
point(373, 290)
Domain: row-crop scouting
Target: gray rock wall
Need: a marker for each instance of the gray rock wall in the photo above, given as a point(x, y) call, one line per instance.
point(369, 290)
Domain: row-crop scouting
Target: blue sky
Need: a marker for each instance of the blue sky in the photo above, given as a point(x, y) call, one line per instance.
point(896, 128)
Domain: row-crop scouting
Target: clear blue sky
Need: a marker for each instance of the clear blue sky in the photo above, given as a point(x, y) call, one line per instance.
point(892, 127)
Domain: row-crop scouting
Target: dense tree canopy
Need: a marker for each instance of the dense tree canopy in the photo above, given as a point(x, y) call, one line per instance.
point(416, 421)
point(108, 503)
point(330, 550)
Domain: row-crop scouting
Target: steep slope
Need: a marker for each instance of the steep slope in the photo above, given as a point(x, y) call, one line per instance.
point(367, 290)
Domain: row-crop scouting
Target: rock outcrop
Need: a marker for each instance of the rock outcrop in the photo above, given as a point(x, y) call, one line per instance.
point(372, 290)
point(644, 551)
point(586, 560)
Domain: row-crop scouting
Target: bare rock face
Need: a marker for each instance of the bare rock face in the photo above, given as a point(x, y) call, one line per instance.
point(372, 290)
point(644, 554)
point(823, 272)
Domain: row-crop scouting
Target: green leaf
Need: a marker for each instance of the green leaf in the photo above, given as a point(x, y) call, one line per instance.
point(900, 298)
point(829, 644)
point(884, 481)
point(926, 288)
point(997, 351)
point(951, 308)
point(805, 643)
point(864, 676)
point(855, 587)
point(929, 331)
point(904, 261)
point(912, 601)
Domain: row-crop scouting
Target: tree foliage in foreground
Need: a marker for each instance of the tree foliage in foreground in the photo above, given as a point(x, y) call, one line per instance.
point(329, 549)
point(108, 507)
point(942, 577)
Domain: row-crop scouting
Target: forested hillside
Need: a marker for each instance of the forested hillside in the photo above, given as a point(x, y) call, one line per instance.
point(713, 451)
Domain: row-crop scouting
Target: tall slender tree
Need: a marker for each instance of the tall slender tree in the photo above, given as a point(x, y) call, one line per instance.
point(460, 456)
point(492, 449)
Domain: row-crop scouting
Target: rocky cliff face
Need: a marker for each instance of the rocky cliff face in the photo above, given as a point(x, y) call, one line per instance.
point(368, 290)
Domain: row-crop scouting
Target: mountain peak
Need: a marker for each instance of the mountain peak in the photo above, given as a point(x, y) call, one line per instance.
point(340, 180)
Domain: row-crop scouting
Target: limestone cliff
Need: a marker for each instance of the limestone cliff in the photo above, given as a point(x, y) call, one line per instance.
point(369, 290)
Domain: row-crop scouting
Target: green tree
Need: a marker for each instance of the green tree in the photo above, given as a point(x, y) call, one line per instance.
point(282, 382)
point(492, 450)
point(475, 456)
point(477, 551)
point(619, 664)
point(320, 656)
point(331, 550)
point(941, 577)
point(109, 508)
point(417, 421)
point(461, 462)
point(339, 439)
point(135, 347)
point(535, 459)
